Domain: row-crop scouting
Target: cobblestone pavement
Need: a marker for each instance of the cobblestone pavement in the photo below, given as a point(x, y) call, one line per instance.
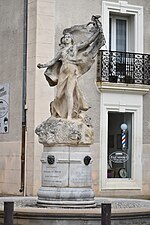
point(116, 203)
point(124, 203)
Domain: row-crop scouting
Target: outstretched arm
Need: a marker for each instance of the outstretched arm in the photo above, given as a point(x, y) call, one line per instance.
point(50, 63)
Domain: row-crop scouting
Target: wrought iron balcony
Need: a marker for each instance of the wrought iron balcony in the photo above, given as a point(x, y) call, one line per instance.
point(123, 67)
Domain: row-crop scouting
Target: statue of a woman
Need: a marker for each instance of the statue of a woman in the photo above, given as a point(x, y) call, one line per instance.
point(71, 62)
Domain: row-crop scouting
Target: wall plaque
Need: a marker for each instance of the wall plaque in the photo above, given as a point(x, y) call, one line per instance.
point(4, 108)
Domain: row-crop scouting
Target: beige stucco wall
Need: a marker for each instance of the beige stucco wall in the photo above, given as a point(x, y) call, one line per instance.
point(79, 12)
point(11, 71)
point(41, 34)
point(46, 21)
point(146, 114)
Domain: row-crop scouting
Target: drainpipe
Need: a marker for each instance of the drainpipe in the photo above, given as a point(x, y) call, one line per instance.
point(22, 188)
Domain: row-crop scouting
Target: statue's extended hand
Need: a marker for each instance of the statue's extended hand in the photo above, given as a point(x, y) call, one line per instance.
point(40, 65)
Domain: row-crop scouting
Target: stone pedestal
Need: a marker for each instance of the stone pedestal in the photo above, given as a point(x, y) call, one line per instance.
point(66, 177)
point(66, 163)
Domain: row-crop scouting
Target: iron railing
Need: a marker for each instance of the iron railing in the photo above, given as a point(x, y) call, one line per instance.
point(123, 67)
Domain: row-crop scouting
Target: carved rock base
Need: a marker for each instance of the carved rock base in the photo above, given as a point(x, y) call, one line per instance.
point(63, 131)
point(66, 177)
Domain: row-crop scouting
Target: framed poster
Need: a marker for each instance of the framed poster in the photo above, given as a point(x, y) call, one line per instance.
point(4, 108)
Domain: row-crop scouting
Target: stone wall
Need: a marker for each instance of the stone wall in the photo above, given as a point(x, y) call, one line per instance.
point(41, 34)
point(11, 71)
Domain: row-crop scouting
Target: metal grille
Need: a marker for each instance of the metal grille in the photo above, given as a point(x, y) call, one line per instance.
point(123, 67)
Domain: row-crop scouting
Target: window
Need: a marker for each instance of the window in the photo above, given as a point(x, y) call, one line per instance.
point(118, 33)
point(121, 33)
point(120, 165)
point(119, 41)
point(119, 156)
point(123, 26)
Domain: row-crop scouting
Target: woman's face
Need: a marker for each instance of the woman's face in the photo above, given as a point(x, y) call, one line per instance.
point(67, 39)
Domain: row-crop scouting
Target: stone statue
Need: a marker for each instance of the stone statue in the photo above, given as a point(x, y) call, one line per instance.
point(67, 134)
point(68, 124)
point(74, 58)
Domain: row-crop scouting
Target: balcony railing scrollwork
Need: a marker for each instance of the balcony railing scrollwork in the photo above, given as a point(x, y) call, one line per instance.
point(123, 67)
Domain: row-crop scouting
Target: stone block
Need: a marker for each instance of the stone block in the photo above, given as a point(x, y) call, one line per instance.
point(66, 177)
point(55, 174)
point(63, 131)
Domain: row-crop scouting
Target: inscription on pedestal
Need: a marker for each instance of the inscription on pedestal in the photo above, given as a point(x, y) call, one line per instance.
point(79, 177)
point(66, 177)
point(79, 173)
point(66, 168)
point(54, 175)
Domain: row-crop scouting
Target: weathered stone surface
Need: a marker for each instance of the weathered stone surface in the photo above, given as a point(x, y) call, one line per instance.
point(66, 197)
point(66, 178)
point(79, 46)
point(63, 131)
point(67, 134)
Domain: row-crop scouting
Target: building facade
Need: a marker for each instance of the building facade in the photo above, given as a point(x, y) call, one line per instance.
point(119, 96)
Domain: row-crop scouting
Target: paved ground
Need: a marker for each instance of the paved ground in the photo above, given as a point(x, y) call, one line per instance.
point(124, 212)
point(116, 203)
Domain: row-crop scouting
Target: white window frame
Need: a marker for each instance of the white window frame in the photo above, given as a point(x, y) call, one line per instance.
point(125, 9)
point(120, 102)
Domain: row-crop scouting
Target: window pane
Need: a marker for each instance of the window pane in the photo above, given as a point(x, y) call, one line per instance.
point(120, 35)
point(119, 145)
